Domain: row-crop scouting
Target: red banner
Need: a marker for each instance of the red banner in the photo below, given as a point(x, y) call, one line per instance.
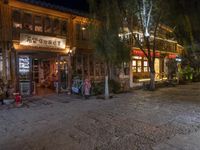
point(172, 56)
point(140, 53)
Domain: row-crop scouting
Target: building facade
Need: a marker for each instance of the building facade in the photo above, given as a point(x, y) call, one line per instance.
point(167, 49)
point(44, 46)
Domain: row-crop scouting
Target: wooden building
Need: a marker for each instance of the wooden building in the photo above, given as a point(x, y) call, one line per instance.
point(167, 49)
point(44, 46)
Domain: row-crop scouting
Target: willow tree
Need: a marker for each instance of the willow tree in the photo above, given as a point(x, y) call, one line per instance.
point(145, 16)
point(105, 26)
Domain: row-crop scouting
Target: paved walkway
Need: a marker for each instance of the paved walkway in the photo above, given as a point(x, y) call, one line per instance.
point(168, 118)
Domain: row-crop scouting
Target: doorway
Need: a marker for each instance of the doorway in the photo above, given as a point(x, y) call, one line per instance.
point(43, 75)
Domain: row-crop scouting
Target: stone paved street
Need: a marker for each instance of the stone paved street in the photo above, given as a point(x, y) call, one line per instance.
point(167, 119)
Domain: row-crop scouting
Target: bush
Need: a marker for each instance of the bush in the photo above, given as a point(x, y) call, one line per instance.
point(196, 76)
point(114, 86)
point(97, 88)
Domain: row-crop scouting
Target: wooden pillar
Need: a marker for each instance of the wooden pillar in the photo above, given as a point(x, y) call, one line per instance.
point(5, 37)
point(82, 69)
point(88, 64)
point(94, 67)
point(4, 59)
point(17, 88)
point(69, 80)
point(59, 76)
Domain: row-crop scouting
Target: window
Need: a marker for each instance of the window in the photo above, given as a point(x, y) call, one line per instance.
point(64, 27)
point(47, 25)
point(82, 33)
point(78, 31)
point(134, 66)
point(85, 33)
point(38, 24)
point(16, 17)
point(56, 26)
point(139, 65)
point(27, 19)
point(137, 57)
point(145, 64)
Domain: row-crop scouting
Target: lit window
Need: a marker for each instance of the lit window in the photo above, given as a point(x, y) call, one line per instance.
point(145, 66)
point(27, 19)
point(139, 66)
point(56, 26)
point(134, 66)
point(47, 25)
point(85, 32)
point(137, 57)
point(38, 24)
point(16, 17)
point(134, 63)
point(134, 69)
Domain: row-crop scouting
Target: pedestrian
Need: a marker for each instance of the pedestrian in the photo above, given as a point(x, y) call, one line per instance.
point(86, 87)
point(1, 91)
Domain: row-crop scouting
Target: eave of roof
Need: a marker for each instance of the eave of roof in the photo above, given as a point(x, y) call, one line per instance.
point(55, 7)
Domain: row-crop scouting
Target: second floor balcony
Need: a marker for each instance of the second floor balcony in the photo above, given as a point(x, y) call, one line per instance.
point(161, 44)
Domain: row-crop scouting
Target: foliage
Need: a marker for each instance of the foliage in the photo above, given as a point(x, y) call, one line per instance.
point(184, 17)
point(196, 76)
point(115, 86)
point(148, 14)
point(172, 68)
point(188, 73)
point(106, 41)
point(98, 88)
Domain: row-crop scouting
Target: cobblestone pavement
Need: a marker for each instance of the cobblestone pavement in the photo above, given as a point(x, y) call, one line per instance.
point(168, 118)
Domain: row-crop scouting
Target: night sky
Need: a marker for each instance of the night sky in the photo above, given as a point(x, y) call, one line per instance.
point(80, 5)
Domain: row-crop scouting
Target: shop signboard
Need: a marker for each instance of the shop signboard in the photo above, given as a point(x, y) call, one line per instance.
point(42, 41)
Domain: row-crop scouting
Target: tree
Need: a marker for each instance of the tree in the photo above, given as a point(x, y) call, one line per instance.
point(105, 32)
point(184, 17)
point(148, 14)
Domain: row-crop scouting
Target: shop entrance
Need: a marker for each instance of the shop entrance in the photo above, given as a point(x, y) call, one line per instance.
point(157, 68)
point(42, 75)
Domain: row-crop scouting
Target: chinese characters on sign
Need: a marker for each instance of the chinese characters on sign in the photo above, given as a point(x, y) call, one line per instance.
point(42, 41)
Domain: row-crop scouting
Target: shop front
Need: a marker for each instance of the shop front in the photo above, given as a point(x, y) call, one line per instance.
point(43, 65)
point(140, 68)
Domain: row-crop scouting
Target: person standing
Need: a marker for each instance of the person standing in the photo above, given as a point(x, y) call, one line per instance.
point(1, 91)
point(87, 87)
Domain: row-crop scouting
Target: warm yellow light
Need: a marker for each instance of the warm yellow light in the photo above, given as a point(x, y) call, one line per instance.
point(83, 28)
